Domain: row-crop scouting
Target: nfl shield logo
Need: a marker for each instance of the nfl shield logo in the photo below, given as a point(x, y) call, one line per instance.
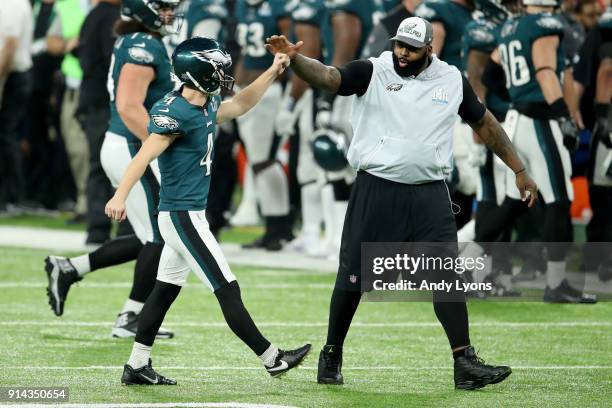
point(353, 278)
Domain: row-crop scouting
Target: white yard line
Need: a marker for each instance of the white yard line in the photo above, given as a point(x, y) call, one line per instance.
point(156, 405)
point(258, 368)
point(125, 285)
point(60, 322)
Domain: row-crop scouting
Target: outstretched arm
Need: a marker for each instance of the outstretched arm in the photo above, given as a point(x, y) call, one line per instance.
point(245, 100)
point(310, 70)
point(150, 149)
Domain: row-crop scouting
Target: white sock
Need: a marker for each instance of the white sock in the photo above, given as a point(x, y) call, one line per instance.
point(132, 306)
point(339, 215)
point(311, 208)
point(81, 264)
point(140, 355)
point(467, 233)
point(248, 188)
point(327, 204)
point(555, 273)
point(269, 356)
point(272, 189)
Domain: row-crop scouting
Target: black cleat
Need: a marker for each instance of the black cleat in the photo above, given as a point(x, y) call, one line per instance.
point(61, 274)
point(145, 375)
point(330, 366)
point(472, 373)
point(286, 360)
point(565, 293)
point(127, 324)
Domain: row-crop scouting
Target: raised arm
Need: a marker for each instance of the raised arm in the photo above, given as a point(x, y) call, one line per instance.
point(150, 149)
point(245, 100)
point(310, 70)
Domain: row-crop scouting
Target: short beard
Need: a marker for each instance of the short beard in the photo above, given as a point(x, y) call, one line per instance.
point(413, 68)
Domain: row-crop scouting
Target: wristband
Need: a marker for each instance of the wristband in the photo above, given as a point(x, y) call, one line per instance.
point(559, 109)
point(519, 172)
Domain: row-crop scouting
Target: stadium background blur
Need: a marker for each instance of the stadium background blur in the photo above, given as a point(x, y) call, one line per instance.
point(51, 175)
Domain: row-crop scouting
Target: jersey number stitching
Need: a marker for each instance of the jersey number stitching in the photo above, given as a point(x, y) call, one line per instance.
point(515, 65)
point(251, 39)
point(207, 159)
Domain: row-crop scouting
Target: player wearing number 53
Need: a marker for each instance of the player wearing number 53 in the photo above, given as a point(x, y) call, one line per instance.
point(181, 131)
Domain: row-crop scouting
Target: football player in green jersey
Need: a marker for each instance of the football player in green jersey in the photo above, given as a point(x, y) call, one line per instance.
point(181, 130)
point(311, 25)
point(139, 75)
point(351, 24)
point(266, 184)
point(543, 132)
point(594, 76)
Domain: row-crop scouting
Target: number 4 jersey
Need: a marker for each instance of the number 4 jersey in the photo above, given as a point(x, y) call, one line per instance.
point(185, 166)
point(516, 41)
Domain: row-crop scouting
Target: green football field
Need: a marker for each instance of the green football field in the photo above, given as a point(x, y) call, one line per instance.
point(396, 354)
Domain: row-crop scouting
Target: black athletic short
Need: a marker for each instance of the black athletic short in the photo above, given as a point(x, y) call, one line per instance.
point(380, 210)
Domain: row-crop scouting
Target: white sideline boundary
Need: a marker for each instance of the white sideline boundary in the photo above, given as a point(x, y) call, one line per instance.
point(60, 322)
point(66, 240)
point(312, 368)
point(127, 285)
point(155, 405)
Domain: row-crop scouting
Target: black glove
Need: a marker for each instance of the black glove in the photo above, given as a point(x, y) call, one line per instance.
point(569, 130)
point(603, 127)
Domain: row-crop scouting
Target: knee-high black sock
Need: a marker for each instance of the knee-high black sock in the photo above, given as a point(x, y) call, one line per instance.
point(341, 311)
point(115, 252)
point(454, 319)
point(154, 311)
point(239, 319)
point(145, 271)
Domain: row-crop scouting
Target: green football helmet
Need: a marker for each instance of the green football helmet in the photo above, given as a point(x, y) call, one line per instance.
point(151, 14)
point(329, 149)
point(201, 62)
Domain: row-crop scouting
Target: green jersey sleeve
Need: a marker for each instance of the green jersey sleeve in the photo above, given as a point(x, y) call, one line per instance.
point(479, 36)
point(143, 49)
point(547, 25)
point(166, 118)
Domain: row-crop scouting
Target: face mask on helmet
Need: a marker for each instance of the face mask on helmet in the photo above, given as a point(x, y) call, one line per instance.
point(201, 63)
point(169, 21)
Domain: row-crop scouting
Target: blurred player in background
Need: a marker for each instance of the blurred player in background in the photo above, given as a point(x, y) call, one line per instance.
point(379, 37)
point(139, 75)
point(182, 130)
point(311, 25)
point(351, 21)
point(480, 38)
point(203, 18)
point(594, 84)
point(543, 131)
point(449, 19)
point(257, 20)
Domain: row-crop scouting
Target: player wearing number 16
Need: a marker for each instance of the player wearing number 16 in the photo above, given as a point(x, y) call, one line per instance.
point(181, 130)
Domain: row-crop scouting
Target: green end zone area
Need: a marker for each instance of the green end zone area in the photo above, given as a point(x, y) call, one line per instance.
point(396, 353)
